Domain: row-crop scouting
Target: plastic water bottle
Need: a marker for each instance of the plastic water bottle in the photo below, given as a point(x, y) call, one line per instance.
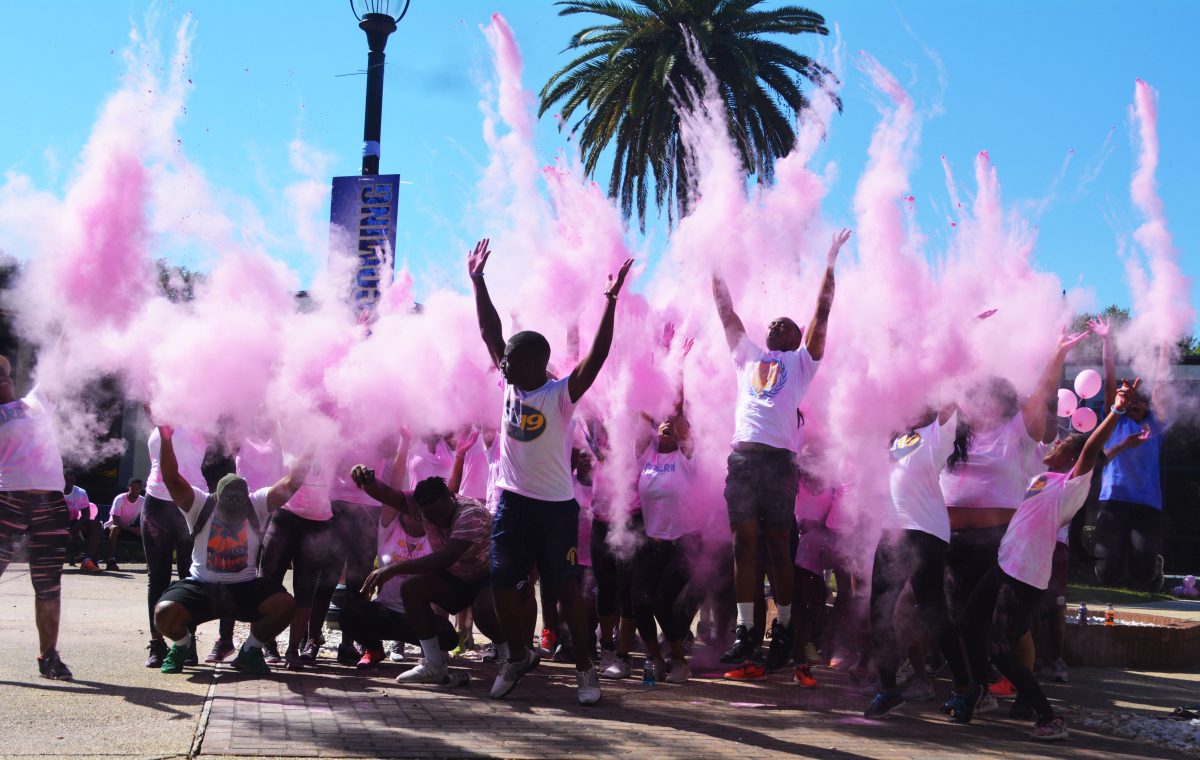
point(1083, 613)
point(1110, 615)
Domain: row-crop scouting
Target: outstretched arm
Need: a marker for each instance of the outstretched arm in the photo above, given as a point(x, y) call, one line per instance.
point(490, 327)
point(289, 484)
point(177, 485)
point(1095, 442)
point(814, 339)
point(1103, 327)
point(364, 478)
point(587, 370)
point(1033, 411)
point(734, 329)
point(465, 443)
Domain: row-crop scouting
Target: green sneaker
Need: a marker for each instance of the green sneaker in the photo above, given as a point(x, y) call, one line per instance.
point(250, 660)
point(176, 656)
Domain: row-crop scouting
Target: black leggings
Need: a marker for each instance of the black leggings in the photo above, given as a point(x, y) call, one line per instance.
point(1127, 533)
point(44, 516)
point(971, 555)
point(164, 533)
point(997, 615)
point(661, 570)
point(355, 530)
point(920, 558)
point(369, 623)
point(308, 546)
point(614, 581)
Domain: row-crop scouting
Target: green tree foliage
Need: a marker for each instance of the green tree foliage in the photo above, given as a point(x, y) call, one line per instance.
point(632, 71)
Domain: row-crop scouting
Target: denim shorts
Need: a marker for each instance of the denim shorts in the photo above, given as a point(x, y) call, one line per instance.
point(761, 485)
point(530, 532)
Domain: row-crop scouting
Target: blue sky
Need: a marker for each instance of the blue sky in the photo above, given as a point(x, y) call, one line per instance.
point(1027, 81)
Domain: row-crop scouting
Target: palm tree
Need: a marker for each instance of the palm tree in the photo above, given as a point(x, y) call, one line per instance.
point(633, 71)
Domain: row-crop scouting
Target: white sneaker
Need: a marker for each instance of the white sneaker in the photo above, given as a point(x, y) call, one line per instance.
point(917, 690)
point(511, 672)
point(987, 703)
point(588, 682)
point(1058, 671)
point(425, 672)
point(396, 651)
point(679, 673)
point(618, 668)
point(655, 669)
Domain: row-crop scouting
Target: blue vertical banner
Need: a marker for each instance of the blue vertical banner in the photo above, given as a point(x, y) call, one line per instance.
point(362, 213)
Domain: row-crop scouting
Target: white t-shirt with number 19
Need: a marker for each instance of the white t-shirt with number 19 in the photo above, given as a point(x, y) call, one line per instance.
point(535, 442)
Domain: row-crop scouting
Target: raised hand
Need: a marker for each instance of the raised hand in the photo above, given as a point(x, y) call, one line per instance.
point(362, 475)
point(166, 432)
point(478, 257)
point(614, 285)
point(668, 335)
point(688, 343)
point(466, 442)
point(1066, 342)
point(839, 239)
point(1123, 394)
point(1100, 326)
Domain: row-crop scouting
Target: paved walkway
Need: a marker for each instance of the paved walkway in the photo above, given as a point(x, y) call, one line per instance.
point(117, 708)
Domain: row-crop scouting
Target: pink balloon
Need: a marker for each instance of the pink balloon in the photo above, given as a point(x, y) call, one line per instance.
point(1083, 420)
point(1067, 403)
point(1088, 383)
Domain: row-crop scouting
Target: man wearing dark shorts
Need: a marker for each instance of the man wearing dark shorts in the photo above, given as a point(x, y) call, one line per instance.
point(226, 528)
point(760, 487)
point(537, 517)
point(454, 576)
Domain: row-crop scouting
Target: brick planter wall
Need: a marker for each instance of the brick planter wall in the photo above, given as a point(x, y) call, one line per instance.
point(1170, 644)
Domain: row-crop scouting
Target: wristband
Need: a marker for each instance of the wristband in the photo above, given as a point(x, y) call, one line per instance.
point(1115, 410)
point(476, 275)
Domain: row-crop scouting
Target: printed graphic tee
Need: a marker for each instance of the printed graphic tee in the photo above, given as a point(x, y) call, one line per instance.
point(1027, 549)
point(535, 442)
point(223, 552)
point(664, 485)
point(771, 385)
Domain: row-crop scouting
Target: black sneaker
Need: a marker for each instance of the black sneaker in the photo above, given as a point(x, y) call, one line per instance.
point(883, 703)
point(780, 652)
point(158, 653)
point(309, 650)
point(1020, 710)
point(51, 666)
point(489, 652)
point(112, 565)
point(564, 652)
point(962, 706)
point(193, 657)
point(270, 653)
point(742, 647)
point(348, 653)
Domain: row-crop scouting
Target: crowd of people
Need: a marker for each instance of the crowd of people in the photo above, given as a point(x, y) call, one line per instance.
point(437, 536)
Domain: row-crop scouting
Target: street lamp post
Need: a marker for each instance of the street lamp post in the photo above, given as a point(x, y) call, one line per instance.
point(376, 21)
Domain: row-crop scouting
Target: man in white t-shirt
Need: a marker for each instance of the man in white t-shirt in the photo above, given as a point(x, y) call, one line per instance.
point(83, 524)
point(537, 517)
point(760, 487)
point(124, 517)
point(226, 528)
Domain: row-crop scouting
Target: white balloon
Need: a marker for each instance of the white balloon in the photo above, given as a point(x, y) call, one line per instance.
point(1088, 383)
point(1083, 420)
point(1067, 402)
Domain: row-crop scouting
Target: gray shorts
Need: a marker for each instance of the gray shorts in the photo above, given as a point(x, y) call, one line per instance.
point(761, 485)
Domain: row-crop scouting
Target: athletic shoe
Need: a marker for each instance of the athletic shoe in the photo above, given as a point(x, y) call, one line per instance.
point(934, 664)
point(292, 660)
point(511, 672)
point(396, 651)
point(176, 655)
point(1050, 729)
point(588, 683)
point(88, 566)
point(905, 671)
point(158, 652)
point(270, 653)
point(689, 642)
point(548, 642)
point(112, 566)
point(748, 671)
point(425, 672)
point(1020, 710)
point(349, 653)
point(803, 677)
point(1002, 688)
point(608, 656)
point(961, 707)
point(466, 643)
point(780, 651)
point(372, 657)
point(618, 668)
point(742, 647)
point(192, 657)
point(987, 703)
point(812, 655)
point(564, 652)
point(250, 660)
point(654, 670)
point(840, 663)
point(489, 652)
point(310, 649)
point(679, 672)
point(222, 648)
point(917, 690)
point(1058, 671)
point(51, 666)
point(883, 703)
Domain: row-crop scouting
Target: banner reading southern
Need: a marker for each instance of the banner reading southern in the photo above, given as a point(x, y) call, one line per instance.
point(364, 208)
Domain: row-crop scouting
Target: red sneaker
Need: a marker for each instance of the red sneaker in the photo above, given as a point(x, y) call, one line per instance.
point(803, 677)
point(372, 657)
point(88, 566)
point(1002, 688)
point(750, 671)
point(549, 641)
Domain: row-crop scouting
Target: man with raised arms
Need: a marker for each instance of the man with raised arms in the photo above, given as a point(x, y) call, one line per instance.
point(537, 517)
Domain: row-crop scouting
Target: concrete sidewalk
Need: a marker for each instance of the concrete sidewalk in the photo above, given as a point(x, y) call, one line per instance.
point(118, 708)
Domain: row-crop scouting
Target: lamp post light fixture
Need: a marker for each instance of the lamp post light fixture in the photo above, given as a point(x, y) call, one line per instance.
point(375, 18)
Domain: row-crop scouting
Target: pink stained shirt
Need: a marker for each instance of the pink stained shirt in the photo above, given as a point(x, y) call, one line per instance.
point(1027, 549)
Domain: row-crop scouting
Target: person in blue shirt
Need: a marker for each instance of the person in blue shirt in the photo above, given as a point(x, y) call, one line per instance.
point(1129, 527)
